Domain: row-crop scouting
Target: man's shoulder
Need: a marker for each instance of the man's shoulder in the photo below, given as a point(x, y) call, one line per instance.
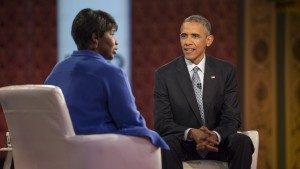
point(219, 63)
point(170, 66)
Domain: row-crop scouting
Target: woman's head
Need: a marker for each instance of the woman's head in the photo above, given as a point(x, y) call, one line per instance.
point(94, 30)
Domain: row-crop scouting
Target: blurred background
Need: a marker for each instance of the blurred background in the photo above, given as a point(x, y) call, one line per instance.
point(260, 37)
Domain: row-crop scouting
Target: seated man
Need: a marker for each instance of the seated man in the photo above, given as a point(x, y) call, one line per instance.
point(196, 107)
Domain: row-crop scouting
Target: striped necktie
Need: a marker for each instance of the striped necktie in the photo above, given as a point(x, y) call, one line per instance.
point(197, 85)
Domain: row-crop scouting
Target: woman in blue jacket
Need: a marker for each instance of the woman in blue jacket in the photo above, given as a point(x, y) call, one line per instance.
point(97, 93)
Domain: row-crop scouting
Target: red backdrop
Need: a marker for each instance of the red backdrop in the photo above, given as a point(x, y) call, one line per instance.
point(27, 44)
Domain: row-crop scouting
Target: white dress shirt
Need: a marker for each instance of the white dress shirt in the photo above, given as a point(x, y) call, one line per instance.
point(190, 66)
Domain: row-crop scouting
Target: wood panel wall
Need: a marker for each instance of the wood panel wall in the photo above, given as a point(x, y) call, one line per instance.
point(260, 78)
point(292, 89)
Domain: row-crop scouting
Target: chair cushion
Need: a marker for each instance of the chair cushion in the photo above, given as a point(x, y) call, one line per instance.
point(205, 164)
point(210, 164)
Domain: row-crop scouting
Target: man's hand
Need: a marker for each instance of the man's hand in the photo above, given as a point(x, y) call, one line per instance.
point(205, 139)
point(197, 135)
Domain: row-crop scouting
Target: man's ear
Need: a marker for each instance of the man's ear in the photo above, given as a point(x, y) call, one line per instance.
point(209, 40)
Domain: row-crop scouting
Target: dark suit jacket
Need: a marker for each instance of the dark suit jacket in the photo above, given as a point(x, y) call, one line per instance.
point(175, 105)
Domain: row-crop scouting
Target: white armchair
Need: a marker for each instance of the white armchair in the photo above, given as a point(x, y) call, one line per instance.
point(42, 135)
point(211, 164)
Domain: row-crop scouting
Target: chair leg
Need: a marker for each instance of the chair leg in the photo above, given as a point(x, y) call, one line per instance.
point(8, 160)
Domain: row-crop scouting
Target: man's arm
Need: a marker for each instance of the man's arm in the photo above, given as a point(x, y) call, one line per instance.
point(163, 117)
point(230, 111)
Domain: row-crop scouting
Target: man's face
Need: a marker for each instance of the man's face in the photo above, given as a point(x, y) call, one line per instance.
point(108, 45)
point(194, 38)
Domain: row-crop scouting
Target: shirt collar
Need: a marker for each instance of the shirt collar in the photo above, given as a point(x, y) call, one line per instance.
point(190, 65)
point(89, 53)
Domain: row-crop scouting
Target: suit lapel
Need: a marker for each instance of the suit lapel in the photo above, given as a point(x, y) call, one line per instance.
point(185, 83)
point(209, 86)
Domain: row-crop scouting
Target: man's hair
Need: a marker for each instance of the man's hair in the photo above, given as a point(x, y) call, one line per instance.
point(89, 21)
point(200, 19)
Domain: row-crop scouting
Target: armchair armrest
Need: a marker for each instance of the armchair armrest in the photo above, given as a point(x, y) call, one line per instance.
point(127, 151)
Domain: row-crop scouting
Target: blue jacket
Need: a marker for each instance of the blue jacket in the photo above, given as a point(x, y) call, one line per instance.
point(99, 97)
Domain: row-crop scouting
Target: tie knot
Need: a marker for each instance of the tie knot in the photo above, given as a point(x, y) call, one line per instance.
point(196, 69)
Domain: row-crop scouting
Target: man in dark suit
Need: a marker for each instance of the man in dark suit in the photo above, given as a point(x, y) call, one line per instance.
point(196, 106)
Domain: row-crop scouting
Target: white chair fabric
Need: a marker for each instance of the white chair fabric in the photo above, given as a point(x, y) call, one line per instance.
point(42, 135)
point(211, 164)
point(8, 150)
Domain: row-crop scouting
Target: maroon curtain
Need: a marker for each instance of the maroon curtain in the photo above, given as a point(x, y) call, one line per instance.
point(27, 45)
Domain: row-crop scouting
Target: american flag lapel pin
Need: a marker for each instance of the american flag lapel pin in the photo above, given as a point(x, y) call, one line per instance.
point(212, 77)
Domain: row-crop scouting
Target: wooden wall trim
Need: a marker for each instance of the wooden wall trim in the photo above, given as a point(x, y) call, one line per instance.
point(260, 78)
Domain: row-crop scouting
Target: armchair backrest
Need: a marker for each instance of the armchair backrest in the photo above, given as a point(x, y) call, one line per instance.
point(38, 121)
point(36, 102)
point(42, 135)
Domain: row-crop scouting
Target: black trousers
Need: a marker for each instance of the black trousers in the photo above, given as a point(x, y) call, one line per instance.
point(237, 150)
